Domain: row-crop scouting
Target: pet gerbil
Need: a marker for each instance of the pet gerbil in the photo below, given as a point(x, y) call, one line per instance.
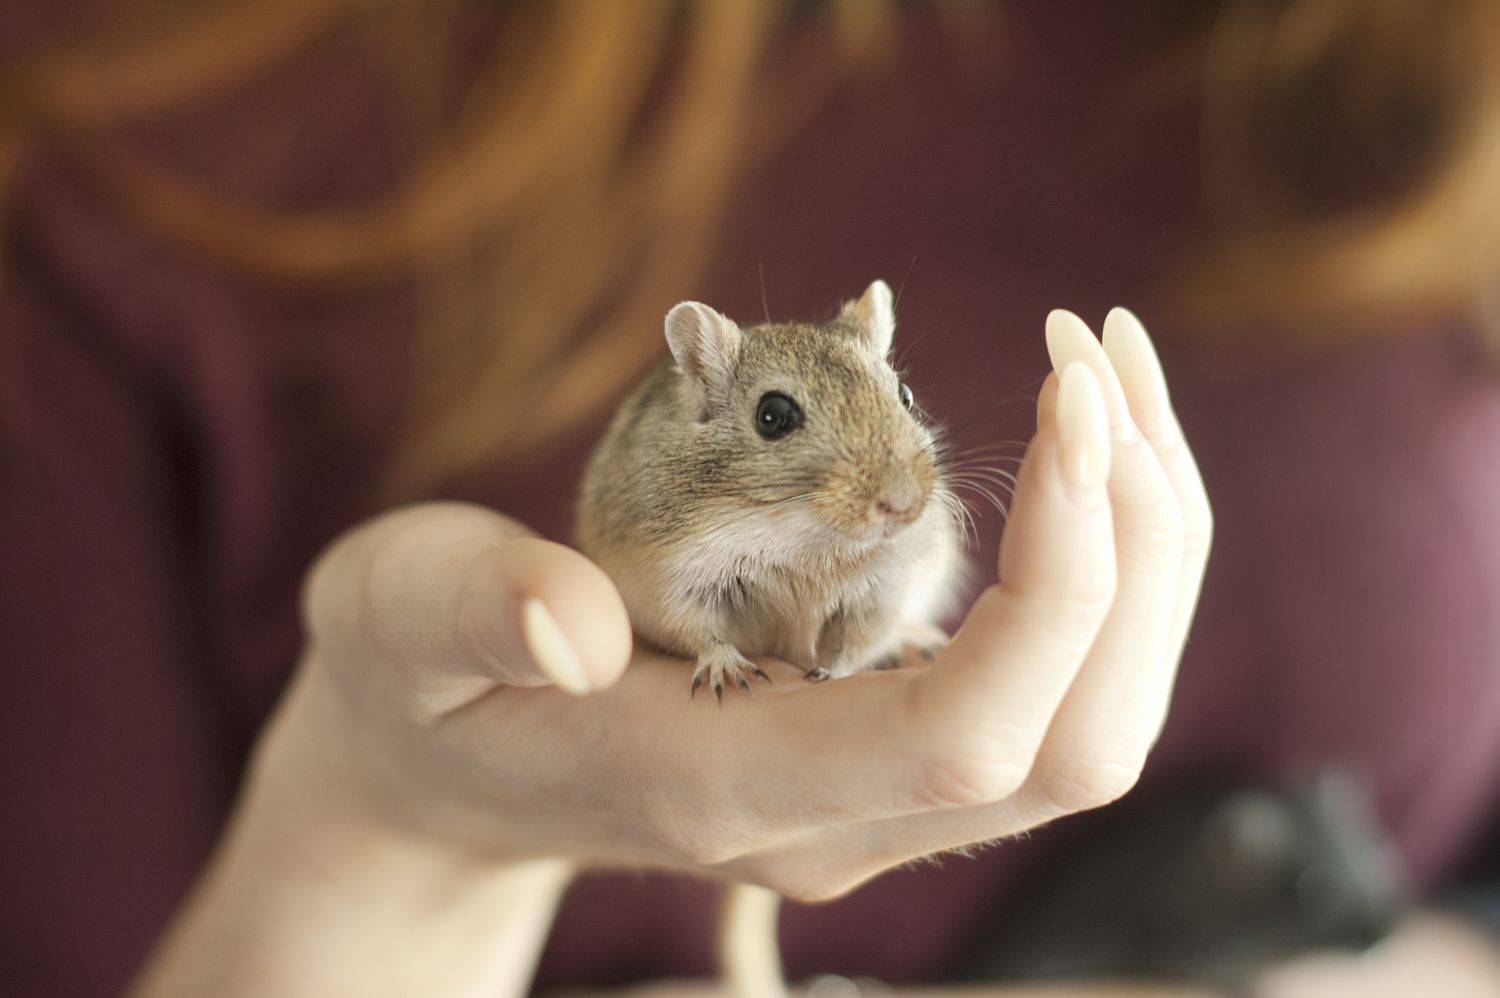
point(772, 491)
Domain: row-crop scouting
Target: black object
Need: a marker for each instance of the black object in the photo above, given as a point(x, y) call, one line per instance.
point(1202, 887)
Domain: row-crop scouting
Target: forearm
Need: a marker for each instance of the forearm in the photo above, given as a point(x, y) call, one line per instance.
point(277, 915)
point(302, 899)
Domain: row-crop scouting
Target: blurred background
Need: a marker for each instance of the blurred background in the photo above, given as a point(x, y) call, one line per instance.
point(271, 265)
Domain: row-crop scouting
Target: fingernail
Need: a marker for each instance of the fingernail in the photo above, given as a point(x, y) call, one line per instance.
point(549, 647)
point(1070, 340)
point(1129, 348)
point(1082, 429)
point(1046, 401)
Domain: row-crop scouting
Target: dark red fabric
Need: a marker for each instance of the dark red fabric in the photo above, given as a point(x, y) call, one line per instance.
point(179, 442)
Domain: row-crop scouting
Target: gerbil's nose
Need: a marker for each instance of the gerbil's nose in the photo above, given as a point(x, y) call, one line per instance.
point(900, 498)
point(889, 507)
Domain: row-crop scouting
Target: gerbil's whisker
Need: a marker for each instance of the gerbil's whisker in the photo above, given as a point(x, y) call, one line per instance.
point(960, 512)
point(904, 278)
point(972, 526)
point(899, 366)
point(978, 457)
point(999, 470)
point(992, 475)
point(999, 479)
point(988, 462)
point(990, 483)
point(982, 490)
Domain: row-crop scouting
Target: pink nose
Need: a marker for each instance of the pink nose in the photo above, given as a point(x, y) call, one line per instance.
point(898, 496)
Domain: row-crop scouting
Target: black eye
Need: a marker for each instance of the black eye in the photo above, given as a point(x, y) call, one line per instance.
point(777, 415)
point(904, 394)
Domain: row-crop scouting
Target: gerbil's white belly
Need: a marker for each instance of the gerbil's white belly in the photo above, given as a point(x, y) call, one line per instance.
point(780, 620)
point(770, 590)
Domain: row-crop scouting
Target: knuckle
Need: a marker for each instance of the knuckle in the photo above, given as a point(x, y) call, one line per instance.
point(1172, 449)
point(969, 778)
point(1081, 784)
point(374, 566)
point(389, 609)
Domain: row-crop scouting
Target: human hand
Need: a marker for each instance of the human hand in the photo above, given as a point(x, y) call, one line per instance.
point(428, 704)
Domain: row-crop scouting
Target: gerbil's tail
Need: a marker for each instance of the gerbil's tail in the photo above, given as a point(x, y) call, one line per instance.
point(749, 957)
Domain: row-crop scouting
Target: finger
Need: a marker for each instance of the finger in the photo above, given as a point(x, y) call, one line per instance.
point(989, 700)
point(1112, 713)
point(1130, 350)
point(438, 603)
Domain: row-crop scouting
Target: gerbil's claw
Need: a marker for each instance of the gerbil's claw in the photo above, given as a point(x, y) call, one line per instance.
point(697, 682)
point(760, 673)
point(819, 675)
point(721, 664)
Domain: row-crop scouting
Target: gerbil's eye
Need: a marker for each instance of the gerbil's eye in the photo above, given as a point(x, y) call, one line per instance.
point(777, 415)
point(904, 393)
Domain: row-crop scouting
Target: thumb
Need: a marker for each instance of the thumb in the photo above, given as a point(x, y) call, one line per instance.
point(439, 603)
point(540, 613)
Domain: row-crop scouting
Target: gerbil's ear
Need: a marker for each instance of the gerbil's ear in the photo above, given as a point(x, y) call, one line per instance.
point(875, 315)
point(706, 346)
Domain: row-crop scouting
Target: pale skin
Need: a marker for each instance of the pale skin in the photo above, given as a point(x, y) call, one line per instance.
point(447, 753)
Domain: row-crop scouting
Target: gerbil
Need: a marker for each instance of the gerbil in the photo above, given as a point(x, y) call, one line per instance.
point(772, 491)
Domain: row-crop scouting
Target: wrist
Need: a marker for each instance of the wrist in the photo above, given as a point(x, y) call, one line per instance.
point(307, 895)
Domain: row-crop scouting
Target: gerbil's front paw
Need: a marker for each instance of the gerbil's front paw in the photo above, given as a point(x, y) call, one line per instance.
point(922, 641)
point(721, 663)
point(918, 643)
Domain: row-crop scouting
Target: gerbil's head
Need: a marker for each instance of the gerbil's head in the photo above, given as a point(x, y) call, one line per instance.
point(808, 422)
